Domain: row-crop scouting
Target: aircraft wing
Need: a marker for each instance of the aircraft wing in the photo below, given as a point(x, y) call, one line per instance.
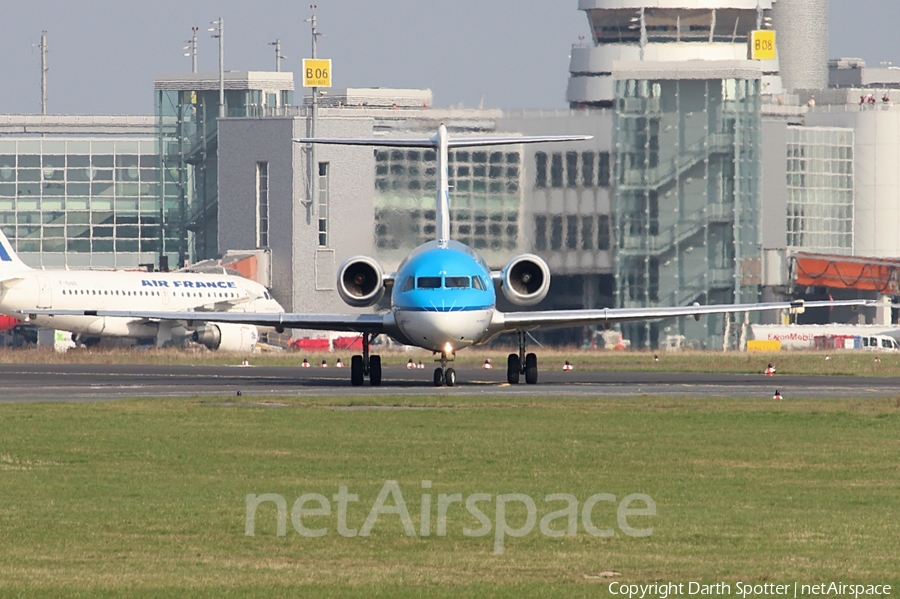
point(555, 319)
point(357, 323)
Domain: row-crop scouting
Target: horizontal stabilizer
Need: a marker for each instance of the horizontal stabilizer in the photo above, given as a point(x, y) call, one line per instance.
point(433, 142)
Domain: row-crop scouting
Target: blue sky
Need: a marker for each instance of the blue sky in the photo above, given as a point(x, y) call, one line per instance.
point(104, 54)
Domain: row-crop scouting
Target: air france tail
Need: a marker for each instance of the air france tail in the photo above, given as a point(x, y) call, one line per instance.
point(9, 261)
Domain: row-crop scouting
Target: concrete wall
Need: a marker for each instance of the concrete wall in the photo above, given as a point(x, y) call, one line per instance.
point(351, 218)
point(773, 201)
point(303, 274)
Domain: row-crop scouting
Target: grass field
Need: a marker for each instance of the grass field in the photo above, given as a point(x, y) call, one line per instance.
point(147, 498)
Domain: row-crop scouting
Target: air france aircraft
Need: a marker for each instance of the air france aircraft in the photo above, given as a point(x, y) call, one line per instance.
point(60, 293)
point(443, 296)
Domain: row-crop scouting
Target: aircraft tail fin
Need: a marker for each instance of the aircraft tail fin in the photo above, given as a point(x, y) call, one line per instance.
point(442, 143)
point(9, 261)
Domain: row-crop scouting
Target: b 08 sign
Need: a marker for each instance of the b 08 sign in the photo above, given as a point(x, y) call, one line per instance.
point(762, 45)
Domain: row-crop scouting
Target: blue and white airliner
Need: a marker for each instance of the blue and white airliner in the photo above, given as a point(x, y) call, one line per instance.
point(443, 296)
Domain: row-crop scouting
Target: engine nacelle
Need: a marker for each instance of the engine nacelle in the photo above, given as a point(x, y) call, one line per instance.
point(226, 336)
point(360, 281)
point(526, 280)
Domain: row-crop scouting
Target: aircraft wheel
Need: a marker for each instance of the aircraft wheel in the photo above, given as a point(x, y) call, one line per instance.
point(375, 371)
point(531, 369)
point(512, 369)
point(438, 377)
point(356, 371)
point(450, 377)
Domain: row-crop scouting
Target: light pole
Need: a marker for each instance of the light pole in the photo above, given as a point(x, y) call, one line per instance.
point(219, 32)
point(314, 116)
point(278, 55)
point(192, 46)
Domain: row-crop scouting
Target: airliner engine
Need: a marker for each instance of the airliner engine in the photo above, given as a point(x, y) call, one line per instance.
point(224, 336)
point(526, 280)
point(360, 281)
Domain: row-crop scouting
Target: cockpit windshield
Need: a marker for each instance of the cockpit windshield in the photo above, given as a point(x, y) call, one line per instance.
point(428, 283)
point(456, 282)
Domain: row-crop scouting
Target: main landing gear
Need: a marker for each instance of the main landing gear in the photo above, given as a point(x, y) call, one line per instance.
point(444, 375)
point(365, 366)
point(521, 363)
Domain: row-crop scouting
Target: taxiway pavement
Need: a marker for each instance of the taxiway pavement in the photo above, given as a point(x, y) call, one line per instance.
point(98, 382)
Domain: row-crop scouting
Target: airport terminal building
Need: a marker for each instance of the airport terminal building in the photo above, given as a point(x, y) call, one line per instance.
point(711, 177)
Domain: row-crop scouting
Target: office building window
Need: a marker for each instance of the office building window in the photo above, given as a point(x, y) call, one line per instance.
point(262, 204)
point(603, 232)
point(323, 204)
point(587, 169)
point(556, 170)
point(556, 233)
point(603, 170)
point(540, 164)
point(540, 232)
point(571, 169)
point(587, 233)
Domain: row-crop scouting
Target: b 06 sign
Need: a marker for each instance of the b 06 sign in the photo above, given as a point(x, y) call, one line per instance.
point(316, 72)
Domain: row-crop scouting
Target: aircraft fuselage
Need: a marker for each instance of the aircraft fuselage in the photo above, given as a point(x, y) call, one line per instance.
point(443, 297)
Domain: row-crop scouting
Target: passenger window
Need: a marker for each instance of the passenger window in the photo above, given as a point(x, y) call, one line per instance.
point(409, 284)
point(456, 282)
point(477, 283)
point(886, 343)
point(429, 283)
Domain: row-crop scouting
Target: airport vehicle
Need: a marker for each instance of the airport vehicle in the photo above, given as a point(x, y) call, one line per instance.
point(869, 337)
point(64, 295)
point(443, 294)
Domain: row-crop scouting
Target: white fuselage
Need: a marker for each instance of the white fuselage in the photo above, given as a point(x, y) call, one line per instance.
point(127, 291)
point(437, 330)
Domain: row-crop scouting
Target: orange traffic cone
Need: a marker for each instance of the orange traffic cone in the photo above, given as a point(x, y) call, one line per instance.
point(305, 363)
point(770, 370)
point(777, 395)
point(567, 367)
point(338, 364)
point(487, 364)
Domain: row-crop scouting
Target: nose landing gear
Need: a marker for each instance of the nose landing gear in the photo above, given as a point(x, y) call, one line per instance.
point(362, 366)
point(443, 375)
point(521, 363)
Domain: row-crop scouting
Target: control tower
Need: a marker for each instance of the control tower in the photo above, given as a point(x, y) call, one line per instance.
point(663, 31)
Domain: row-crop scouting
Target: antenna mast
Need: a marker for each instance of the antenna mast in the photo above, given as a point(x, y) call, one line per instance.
point(278, 55)
point(192, 46)
point(44, 69)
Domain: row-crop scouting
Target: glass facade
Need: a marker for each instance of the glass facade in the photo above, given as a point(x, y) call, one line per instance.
point(82, 202)
point(188, 143)
point(687, 176)
point(820, 190)
point(188, 140)
point(485, 201)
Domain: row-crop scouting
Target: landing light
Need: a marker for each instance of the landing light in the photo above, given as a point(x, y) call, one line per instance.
point(448, 349)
